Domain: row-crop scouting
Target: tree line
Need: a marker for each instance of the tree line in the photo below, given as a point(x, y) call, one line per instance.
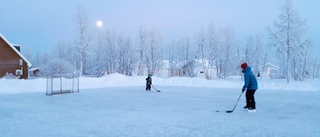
point(102, 52)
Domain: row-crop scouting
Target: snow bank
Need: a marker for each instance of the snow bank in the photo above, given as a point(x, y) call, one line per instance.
point(118, 80)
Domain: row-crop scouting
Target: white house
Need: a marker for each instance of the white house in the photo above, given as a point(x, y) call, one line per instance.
point(269, 70)
point(164, 70)
point(195, 68)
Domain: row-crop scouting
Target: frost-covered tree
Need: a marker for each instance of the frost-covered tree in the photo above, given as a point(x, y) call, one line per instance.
point(315, 69)
point(200, 43)
point(149, 50)
point(174, 59)
point(227, 53)
point(186, 56)
point(182, 58)
point(141, 45)
point(126, 56)
point(64, 51)
point(111, 52)
point(154, 52)
point(99, 57)
point(253, 52)
point(56, 66)
point(292, 47)
point(83, 40)
point(212, 49)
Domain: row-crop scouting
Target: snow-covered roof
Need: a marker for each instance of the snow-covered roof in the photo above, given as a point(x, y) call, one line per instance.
point(270, 65)
point(33, 69)
point(200, 63)
point(14, 49)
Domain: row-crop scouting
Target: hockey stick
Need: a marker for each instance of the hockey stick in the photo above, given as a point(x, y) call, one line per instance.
point(155, 88)
point(230, 111)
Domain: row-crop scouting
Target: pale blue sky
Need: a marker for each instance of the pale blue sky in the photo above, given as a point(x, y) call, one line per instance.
point(38, 24)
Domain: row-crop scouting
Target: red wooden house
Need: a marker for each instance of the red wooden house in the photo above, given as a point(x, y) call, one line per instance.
point(12, 62)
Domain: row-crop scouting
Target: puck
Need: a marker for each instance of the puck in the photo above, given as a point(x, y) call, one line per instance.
point(217, 111)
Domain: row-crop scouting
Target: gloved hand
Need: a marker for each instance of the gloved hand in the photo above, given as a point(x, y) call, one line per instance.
point(243, 90)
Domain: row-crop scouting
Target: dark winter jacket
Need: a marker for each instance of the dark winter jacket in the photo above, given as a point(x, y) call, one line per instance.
point(149, 80)
point(250, 81)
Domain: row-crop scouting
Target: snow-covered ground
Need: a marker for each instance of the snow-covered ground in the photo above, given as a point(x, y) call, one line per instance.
point(117, 105)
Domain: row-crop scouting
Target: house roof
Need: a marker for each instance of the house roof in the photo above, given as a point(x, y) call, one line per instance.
point(270, 65)
point(15, 50)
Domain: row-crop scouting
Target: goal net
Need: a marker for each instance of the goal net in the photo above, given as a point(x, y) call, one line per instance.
point(62, 83)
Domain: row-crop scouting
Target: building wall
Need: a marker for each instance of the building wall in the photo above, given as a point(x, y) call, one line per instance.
point(9, 61)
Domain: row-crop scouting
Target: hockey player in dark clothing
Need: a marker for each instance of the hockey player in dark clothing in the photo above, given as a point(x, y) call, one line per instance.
point(250, 86)
point(148, 82)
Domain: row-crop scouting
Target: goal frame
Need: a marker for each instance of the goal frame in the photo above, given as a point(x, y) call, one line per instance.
point(56, 84)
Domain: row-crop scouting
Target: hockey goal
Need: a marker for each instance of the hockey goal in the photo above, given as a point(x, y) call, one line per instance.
point(62, 84)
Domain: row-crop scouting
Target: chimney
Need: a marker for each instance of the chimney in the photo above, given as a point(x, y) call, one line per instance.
point(17, 47)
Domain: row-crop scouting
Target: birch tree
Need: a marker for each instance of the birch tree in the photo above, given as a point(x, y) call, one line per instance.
point(83, 41)
point(111, 52)
point(186, 56)
point(154, 55)
point(99, 60)
point(253, 52)
point(141, 47)
point(200, 43)
point(126, 56)
point(212, 42)
point(315, 69)
point(227, 53)
point(287, 34)
point(174, 59)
